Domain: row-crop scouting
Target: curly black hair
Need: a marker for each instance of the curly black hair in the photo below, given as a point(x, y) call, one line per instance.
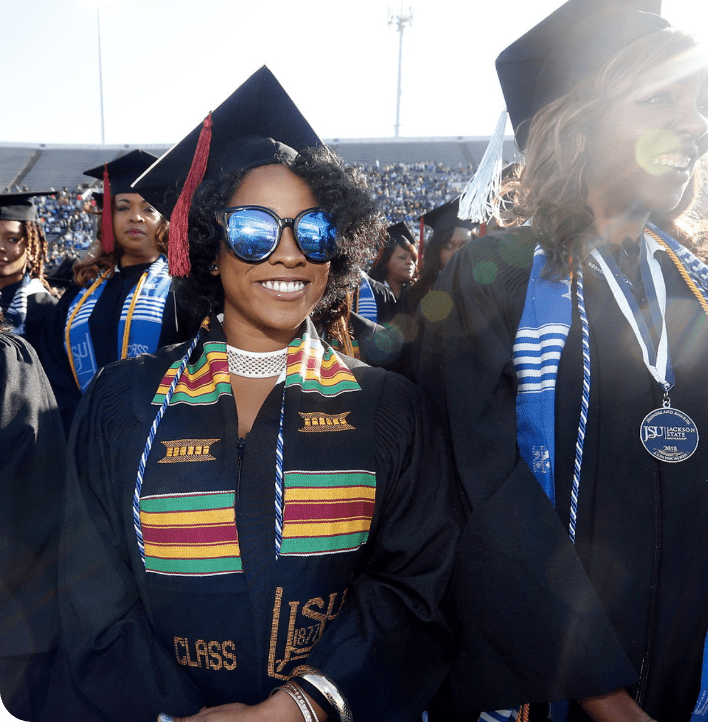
point(340, 191)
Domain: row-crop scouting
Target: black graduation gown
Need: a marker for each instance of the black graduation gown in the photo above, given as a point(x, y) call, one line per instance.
point(139, 643)
point(626, 606)
point(32, 480)
point(39, 311)
point(385, 300)
point(103, 326)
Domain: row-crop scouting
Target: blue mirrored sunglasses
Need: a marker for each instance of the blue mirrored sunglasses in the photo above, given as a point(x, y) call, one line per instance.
point(253, 233)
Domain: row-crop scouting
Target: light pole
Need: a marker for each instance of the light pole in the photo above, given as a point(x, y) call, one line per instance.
point(100, 72)
point(400, 21)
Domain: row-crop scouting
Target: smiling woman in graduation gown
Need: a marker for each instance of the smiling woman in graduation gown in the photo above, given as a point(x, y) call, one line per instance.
point(280, 515)
point(123, 302)
point(583, 572)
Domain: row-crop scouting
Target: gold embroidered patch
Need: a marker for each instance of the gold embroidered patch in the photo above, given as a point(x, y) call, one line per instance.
point(188, 450)
point(294, 633)
point(316, 422)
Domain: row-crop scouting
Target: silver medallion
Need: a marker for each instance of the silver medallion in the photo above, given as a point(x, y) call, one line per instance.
point(669, 435)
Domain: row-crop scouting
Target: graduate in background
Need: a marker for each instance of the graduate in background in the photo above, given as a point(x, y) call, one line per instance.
point(570, 376)
point(397, 264)
point(122, 303)
point(25, 297)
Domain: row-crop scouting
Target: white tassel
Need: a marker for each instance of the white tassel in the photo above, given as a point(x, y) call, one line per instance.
point(477, 200)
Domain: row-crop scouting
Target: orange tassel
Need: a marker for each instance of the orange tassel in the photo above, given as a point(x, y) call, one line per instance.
point(178, 249)
point(106, 216)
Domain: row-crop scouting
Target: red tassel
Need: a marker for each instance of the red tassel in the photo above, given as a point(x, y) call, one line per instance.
point(178, 249)
point(482, 229)
point(106, 215)
point(421, 242)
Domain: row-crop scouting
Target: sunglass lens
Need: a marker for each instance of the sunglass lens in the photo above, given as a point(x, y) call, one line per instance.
point(252, 234)
point(317, 237)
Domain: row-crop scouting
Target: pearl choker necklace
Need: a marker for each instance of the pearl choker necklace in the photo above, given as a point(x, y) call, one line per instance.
point(255, 365)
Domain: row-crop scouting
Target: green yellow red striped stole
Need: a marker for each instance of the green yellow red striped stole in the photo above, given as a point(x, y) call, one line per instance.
point(315, 367)
point(310, 365)
point(190, 534)
point(202, 382)
point(327, 511)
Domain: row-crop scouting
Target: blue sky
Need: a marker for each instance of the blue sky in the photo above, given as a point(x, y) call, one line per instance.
point(166, 63)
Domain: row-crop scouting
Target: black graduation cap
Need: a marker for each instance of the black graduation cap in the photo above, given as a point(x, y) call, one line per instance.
point(445, 216)
point(399, 234)
point(19, 207)
point(573, 42)
point(256, 125)
point(117, 175)
point(124, 170)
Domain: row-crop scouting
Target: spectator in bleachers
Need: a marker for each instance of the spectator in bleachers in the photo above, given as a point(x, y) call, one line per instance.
point(24, 293)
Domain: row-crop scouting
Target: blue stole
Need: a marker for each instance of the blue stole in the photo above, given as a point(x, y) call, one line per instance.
point(144, 321)
point(366, 305)
point(540, 339)
point(16, 313)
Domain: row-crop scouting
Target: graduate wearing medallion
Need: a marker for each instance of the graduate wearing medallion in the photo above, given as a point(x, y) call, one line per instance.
point(25, 298)
point(249, 512)
point(570, 375)
point(123, 303)
point(32, 481)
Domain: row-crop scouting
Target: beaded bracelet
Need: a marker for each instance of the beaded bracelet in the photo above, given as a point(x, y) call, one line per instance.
point(300, 699)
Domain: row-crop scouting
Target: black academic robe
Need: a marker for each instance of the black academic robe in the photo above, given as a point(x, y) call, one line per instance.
point(103, 326)
point(39, 311)
point(138, 642)
point(32, 481)
point(385, 300)
point(626, 605)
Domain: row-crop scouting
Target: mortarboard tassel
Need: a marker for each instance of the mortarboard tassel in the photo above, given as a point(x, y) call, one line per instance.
point(477, 200)
point(178, 249)
point(106, 216)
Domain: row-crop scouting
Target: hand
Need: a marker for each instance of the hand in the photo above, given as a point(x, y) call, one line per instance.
point(278, 708)
point(615, 706)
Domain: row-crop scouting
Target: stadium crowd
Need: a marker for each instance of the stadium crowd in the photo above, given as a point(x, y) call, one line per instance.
point(404, 191)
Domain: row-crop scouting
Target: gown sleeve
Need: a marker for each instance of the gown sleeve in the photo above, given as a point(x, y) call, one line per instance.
point(528, 623)
point(55, 360)
point(105, 626)
point(32, 482)
point(386, 651)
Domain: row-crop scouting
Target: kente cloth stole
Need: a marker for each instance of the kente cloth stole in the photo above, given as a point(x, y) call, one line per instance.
point(16, 313)
point(144, 320)
point(322, 500)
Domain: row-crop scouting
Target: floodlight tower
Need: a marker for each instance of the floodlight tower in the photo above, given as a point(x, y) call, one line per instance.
point(400, 21)
point(100, 72)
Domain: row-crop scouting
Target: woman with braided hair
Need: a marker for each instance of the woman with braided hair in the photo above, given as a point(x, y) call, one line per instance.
point(25, 297)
